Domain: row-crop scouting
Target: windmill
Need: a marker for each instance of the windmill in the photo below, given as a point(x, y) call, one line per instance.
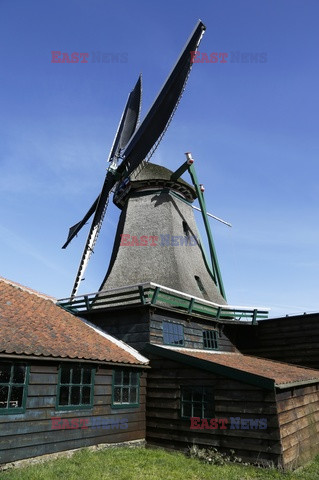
point(133, 147)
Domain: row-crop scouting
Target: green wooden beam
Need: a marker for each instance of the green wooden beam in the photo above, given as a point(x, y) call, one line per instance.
point(213, 254)
point(179, 172)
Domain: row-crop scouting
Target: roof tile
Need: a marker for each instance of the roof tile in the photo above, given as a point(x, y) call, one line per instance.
point(32, 324)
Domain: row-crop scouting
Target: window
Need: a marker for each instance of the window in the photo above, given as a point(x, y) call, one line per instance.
point(126, 389)
point(197, 402)
point(173, 333)
point(75, 387)
point(13, 387)
point(185, 228)
point(210, 339)
point(200, 284)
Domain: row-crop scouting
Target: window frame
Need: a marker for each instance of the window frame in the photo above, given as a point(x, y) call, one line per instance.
point(59, 407)
point(126, 405)
point(25, 384)
point(172, 343)
point(215, 340)
point(182, 401)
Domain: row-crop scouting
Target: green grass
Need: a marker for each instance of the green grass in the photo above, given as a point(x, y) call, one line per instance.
point(139, 463)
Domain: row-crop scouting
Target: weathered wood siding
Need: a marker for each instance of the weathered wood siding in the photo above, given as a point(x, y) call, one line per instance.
point(288, 339)
point(298, 412)
point(31, 434)
point(167, 429)
point(138, 326)
point(193, 331)
point(130, 325)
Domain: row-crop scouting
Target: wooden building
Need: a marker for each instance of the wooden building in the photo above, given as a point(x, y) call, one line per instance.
point(292, 339)
point(64, 383)
point(199, 371)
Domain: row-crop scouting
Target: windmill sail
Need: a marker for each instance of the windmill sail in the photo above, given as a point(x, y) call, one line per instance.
point(142, 143)
point(158, 117)
point(124, 132)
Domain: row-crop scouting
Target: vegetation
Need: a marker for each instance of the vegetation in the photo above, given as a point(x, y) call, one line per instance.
point(148, 464)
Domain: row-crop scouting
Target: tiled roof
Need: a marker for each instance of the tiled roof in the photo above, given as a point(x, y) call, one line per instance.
point(281, 373)
point(32, 324)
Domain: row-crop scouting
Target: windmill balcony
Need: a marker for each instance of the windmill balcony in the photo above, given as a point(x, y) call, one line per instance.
point(158, 295)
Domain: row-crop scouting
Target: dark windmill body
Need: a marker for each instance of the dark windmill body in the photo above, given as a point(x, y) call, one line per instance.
point(163, 296)
point(157, 239)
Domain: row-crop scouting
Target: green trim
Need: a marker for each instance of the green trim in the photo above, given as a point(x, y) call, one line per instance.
point(213, 254)
point(155, 295)
point(68, 407)
point(179, 172)
point(129, 385)
point(210, 366)
point(172, 333)
point(10, 384)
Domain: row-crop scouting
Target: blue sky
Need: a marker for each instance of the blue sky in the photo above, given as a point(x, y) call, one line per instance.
point(251, 127)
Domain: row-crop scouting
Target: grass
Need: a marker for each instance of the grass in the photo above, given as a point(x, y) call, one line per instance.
point(146, 464)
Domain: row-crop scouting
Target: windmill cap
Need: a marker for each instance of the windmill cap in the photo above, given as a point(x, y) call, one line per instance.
point(152, 176)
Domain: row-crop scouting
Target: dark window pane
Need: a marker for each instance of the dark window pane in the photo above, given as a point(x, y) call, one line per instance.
point(134, 378)
point(125, 395)
point(187, 410)
point(5, 370)
point(197, 395)
point(133, 398)
point(117, 395)
point(126, 377)
point(118, 377)
point(18, 374)
point(64, 396)
point(187, 394)
point(75, 395)
point(197, 410)
point(76, 376)
point(65, 374)
point(87, 375)
point(3, 396)
point(16, 397)
point(86, 392)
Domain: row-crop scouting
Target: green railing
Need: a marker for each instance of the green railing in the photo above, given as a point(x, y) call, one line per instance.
point(153, 294)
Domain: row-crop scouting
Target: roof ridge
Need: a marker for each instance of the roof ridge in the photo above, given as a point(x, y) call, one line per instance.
point(28, 290)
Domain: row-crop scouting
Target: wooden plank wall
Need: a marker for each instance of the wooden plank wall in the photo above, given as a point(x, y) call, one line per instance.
point(129, 325)
point(30, 434)
point(193, 331)
point(165, 427)
point(288, 339)
point(138, 326)
point(298, 411)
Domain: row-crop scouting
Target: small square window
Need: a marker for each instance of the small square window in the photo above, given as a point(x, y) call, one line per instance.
point(173, 333)
point(210, 339)
point(75, 387)
point(13, 387)
point(197, 402)
point(125, 388)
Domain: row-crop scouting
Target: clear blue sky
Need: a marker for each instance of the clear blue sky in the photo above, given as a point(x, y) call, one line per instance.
point(251, 127)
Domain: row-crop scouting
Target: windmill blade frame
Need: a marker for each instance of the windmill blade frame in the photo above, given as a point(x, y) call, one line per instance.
point(125, 130)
